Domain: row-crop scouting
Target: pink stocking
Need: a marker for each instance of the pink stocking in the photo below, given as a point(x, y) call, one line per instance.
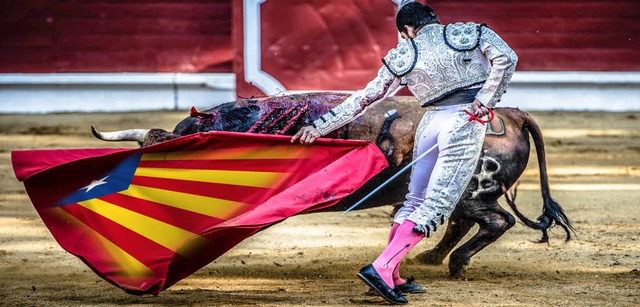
point(397, 280)
point(402, 242)
point(394, 229)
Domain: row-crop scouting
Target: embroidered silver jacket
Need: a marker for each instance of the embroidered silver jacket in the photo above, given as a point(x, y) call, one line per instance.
point(440, 60)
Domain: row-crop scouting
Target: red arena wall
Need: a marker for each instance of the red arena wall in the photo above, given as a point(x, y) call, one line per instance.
point(337, 44)
point(115, 36)
point(558, 35)
point(311, 44)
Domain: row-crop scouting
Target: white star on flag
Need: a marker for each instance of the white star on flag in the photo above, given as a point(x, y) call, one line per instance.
point(95, 183)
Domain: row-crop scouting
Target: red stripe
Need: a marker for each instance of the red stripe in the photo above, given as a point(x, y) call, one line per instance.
point(151, 254)
point(244, 194)
point(258, 165)
point(187, 220)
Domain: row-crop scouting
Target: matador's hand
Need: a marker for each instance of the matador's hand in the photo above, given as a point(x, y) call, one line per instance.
point(307, 135)
point(478, 109)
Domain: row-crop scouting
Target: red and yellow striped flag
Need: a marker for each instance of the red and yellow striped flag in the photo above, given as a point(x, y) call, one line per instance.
point(145, 218)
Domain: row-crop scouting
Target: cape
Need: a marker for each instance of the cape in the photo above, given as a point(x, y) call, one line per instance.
point(145, 218)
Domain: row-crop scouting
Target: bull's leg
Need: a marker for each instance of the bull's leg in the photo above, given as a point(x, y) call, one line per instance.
point(494, 222)
point(456, 229)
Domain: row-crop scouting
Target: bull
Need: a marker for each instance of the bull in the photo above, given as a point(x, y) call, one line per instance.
point(391, 125)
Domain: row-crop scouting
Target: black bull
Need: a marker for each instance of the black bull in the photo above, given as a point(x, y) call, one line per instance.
point(504, 158)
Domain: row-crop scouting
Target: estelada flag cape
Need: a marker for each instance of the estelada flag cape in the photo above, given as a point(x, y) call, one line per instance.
point(145, 218)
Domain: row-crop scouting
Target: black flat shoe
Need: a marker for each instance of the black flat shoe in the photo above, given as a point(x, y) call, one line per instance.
point(410, 287)
point(369, 275)
point(407, 288)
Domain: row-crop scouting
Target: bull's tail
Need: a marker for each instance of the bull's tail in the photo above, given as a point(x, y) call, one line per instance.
point(552, 212)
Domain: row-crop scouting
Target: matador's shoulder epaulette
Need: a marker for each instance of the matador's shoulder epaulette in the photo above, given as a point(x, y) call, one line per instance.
point(462, 36)
point(402, 59)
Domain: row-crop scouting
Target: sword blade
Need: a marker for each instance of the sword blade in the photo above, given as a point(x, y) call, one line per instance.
point(416, 160)
point(390, 179)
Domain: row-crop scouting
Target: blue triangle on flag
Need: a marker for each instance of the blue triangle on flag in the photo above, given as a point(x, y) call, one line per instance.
point(116, 180)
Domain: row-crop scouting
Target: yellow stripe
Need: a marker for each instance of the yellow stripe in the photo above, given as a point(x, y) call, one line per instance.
point(241, 178)
point(215, 207)
point(129, 265)
point(162, 233)
point(272, 152)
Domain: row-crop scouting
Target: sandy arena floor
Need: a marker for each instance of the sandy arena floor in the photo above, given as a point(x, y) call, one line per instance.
point(594, 161)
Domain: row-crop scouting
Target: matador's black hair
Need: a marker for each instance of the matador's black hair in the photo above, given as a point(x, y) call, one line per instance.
point(415, 14)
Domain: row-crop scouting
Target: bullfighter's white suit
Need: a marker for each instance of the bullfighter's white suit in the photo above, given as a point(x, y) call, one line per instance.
point(445, 67)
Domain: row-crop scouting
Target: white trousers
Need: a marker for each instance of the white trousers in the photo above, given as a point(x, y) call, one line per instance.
point(439, 179)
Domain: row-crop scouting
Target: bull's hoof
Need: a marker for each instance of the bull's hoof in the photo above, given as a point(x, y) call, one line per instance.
point(430, 257)
point(460, 273)
point(458, 267)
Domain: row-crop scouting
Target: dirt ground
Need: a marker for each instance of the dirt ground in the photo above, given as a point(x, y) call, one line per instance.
point(594, 161)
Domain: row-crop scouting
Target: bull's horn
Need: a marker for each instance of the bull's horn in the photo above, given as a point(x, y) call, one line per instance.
point(122, 135)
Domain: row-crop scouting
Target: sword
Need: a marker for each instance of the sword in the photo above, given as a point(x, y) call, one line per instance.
point(391, 179)
point(472, 118)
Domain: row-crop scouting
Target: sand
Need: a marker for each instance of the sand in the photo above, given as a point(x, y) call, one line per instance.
point(594, 161)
